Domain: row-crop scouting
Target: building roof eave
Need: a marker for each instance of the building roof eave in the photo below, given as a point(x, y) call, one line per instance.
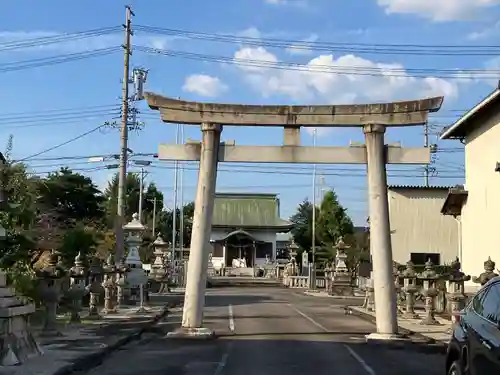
point(457, 129)
point(454, 202)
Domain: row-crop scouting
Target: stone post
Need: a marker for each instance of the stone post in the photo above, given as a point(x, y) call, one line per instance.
point(108, 284)
point(380, 235)
point(94, 288)
point(397, 287)
point(409, 276)
point(121, 283)
point(76, 291)
point(194, 302)
point(429, 290)
point(50, 277)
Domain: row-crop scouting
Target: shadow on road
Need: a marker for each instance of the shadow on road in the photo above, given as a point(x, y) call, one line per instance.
point(222, 300)
point(279, 354)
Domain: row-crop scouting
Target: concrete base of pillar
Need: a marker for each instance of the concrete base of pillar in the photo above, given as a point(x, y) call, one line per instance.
point(386, 339)
point(192, 333)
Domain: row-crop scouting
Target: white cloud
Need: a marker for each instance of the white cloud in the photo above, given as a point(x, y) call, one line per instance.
point(485, 33)
point(443, 10)
point(302, 48)
point(362, 80)
point(77, 45)
point(204, 85)
point(294, 3)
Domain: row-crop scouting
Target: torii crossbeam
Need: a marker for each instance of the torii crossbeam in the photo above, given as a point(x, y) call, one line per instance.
point(373, 118)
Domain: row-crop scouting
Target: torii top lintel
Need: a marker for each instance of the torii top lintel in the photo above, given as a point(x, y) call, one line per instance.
point(406, 113)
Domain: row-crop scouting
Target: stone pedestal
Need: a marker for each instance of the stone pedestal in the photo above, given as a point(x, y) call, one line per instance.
point(16, 341)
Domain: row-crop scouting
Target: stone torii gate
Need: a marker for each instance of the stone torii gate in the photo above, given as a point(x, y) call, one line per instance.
point(373, 118)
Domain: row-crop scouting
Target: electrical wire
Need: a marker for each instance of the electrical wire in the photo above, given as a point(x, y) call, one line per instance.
point(58, 59)
point(60, 144)
point(348, 47)
point(337, 70)
point(56, 39)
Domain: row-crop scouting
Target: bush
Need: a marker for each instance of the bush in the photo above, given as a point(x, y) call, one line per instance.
point(22, 278)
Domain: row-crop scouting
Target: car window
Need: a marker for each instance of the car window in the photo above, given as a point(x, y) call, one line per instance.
point(477, 302)
point(491, 304)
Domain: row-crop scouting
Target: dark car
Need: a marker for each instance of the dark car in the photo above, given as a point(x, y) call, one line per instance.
point(474, 348)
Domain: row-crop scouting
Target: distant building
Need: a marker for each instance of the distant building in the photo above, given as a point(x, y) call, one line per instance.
point(477, 204)
point(418, 230)
point(244, 228)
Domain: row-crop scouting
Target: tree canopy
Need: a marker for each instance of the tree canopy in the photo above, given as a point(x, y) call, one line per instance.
point(332, 223)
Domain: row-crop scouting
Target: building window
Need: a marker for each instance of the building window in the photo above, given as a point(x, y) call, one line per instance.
point(421, 258)
point(217, 250)
point(263, 249)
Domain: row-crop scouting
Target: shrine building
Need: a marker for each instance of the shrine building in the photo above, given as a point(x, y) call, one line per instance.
point(244, 230)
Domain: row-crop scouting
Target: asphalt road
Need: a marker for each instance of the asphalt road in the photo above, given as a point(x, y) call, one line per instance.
point(270, 331)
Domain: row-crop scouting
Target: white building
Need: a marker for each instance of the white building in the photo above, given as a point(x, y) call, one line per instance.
point(477, 205)
point(244, 228)
point(418, 229)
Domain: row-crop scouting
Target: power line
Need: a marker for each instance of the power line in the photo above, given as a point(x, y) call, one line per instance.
point(60, 144)
point(56, 39)
point(338, 70)
point(361, 48)
point(54, 60)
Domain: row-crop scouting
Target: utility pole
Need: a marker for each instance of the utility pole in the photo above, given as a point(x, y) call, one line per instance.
point(122, 175)
point(426, 144)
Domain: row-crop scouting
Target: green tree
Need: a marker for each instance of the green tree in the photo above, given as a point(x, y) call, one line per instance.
point(71, 196)
point(333, 222)
point(303, 224)
point(165, 224)
point(132, 199)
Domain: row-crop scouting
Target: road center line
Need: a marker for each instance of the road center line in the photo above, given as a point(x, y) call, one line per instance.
point(351, 351)
point(231, 317)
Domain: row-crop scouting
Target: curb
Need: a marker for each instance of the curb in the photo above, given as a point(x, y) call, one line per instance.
point(90, 361)
point(424, 345)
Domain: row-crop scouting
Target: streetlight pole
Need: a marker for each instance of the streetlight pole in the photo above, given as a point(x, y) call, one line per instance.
point(154, 217)
point(313, 240)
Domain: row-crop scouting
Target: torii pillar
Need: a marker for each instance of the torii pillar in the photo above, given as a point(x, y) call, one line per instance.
point(373, 118)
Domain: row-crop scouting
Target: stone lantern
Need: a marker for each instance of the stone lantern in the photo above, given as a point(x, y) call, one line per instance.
point(94, 288)
point(50, 277)
point(76, 290)
point(136, 277)
point(456, 294)
point(109, 271)
point(342, 278)
point(488, 273)
point(16, 341)
point(159, 271)
point(429, 277)
point(409, 276)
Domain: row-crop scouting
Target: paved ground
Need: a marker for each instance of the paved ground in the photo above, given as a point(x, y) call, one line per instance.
point(270, 331)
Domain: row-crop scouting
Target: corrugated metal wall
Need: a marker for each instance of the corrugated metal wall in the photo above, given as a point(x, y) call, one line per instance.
point(417, 225)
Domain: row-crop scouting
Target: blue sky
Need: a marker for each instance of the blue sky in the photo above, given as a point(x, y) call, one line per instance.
point(90, 88)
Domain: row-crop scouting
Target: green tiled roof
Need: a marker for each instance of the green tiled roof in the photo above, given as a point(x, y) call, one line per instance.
point(247, 210)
